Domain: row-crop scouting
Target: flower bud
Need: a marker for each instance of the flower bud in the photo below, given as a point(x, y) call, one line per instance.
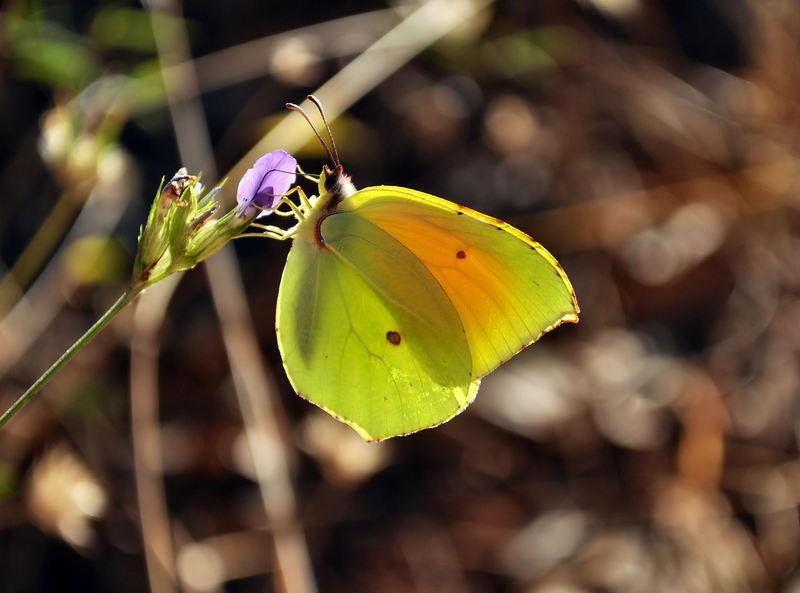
point(181, 231)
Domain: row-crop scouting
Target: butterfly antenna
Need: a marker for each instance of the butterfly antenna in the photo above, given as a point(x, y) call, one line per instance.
point(302, 112)
point(318, 103)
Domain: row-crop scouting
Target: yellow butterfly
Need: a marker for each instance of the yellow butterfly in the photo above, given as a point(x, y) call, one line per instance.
point(394, 303)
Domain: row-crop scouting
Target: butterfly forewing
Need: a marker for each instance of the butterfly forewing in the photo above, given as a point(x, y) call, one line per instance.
point(505, 287)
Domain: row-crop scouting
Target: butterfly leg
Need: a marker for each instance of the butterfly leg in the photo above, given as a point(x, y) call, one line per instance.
point(314, 178)
point(271, 232)
point(298, 211)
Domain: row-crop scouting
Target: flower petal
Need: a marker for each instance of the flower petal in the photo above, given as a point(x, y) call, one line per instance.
point(262, 186)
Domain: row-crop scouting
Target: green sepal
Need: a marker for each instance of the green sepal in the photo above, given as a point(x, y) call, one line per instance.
point(181, 230)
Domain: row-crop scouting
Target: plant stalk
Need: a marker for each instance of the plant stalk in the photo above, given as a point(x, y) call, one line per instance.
point(37, 386)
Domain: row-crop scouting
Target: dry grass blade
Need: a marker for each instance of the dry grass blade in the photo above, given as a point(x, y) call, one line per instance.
point(37, 308)
point(429, 23)
point(253, 59)
point(253, 387)
point(146, 436)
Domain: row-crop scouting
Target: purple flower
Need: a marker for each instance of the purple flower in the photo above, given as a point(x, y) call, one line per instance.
point(262, 186)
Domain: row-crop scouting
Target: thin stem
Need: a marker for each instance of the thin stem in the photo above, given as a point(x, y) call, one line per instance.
point(126, 298)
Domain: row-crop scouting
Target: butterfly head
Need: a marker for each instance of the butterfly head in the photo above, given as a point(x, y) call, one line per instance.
point(335, 181)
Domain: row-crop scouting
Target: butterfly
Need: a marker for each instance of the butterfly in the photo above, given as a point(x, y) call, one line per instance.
point(395, 303)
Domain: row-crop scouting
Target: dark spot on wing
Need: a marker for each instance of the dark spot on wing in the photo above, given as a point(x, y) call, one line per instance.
point(461, 254)
point(459, 213)
point(393, 338)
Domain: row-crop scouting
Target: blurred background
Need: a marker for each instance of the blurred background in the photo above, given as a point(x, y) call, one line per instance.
point(651, 146)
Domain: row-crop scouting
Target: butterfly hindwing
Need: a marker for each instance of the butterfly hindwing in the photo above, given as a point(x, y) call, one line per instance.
point(367, 333)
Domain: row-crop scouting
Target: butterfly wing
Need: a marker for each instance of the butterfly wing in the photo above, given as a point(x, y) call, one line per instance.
point(506, 288)
point(368, 334)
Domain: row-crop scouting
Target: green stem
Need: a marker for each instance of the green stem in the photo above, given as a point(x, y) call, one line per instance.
point(126, 298)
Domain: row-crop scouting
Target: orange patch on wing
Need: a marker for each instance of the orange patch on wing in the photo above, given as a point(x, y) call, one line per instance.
point(477, 285)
